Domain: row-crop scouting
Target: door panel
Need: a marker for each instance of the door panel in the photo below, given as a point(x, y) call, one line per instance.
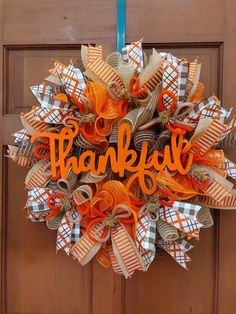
point(197, 286)
point(38, 280)
point(34, 279)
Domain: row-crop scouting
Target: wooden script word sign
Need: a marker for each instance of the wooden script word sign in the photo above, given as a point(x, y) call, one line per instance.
point(121, 159)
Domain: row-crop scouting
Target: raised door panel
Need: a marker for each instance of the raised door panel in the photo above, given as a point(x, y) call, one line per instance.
point(34, 279)
point(167, 288)
point(37, 280)
point(196, 24)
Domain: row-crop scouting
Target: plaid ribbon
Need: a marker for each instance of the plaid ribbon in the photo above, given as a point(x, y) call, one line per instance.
point(170, 78)
point(46, 97)
point(177, 250)
point(68, 232)
point(229, 128)
point(146, 238)
point(64, 235)
point(230, 168)
point(212, 111)
point(22, 135)
point(36, 207)
point(37, 199)
point(55, 116)
point(133, 54)
point(75, 234)
point(51, 102)
point(210, 105)
point(187, 209)
point(225, 114)
point(37, 217)
point(73, 81)
point(209, 102)
point(182, 216)
point(183, 68)
point(41, 90)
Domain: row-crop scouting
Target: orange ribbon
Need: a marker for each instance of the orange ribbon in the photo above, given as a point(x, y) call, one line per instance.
point(123, 253)
point(41, 146)
point(54, 208)
point(178, 128)
point(111, 194)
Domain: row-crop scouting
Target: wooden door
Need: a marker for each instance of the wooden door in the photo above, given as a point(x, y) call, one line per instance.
point(36, 281)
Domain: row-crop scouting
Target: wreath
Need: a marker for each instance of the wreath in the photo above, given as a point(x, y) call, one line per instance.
point(126, 157)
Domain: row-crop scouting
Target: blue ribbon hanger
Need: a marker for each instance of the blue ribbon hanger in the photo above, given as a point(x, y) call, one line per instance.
point(121, 6)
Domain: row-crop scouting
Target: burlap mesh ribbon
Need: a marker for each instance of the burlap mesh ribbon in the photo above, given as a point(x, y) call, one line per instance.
point(140, 116)
point(205, 217)
point(167, 232)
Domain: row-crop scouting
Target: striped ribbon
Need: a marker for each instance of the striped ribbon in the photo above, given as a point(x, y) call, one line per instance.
point(208, 138)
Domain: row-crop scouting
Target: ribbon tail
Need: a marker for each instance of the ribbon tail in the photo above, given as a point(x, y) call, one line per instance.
point(229, 202)
point(183, 222)
point(177, 250)
point(146, 238)
point(124, 254)
point(207, 133)
point(219, 188)
point(85, 249)
point(64, 235)
point(230, 168)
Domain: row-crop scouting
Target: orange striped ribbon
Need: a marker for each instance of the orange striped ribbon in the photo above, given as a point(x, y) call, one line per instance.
point(124, 255)
point(155, 80)
point(94, 53)
point(208, 138)
point(57, 67)
point(192, 69)
point(38, 176)
point(86, 248)
point(29, 118)
point(105, 72)
point(217, 191)
point(229, 202)
point(23, 159)
point(12, 152)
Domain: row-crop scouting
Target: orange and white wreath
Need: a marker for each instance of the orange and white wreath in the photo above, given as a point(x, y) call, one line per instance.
point(126, 157)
